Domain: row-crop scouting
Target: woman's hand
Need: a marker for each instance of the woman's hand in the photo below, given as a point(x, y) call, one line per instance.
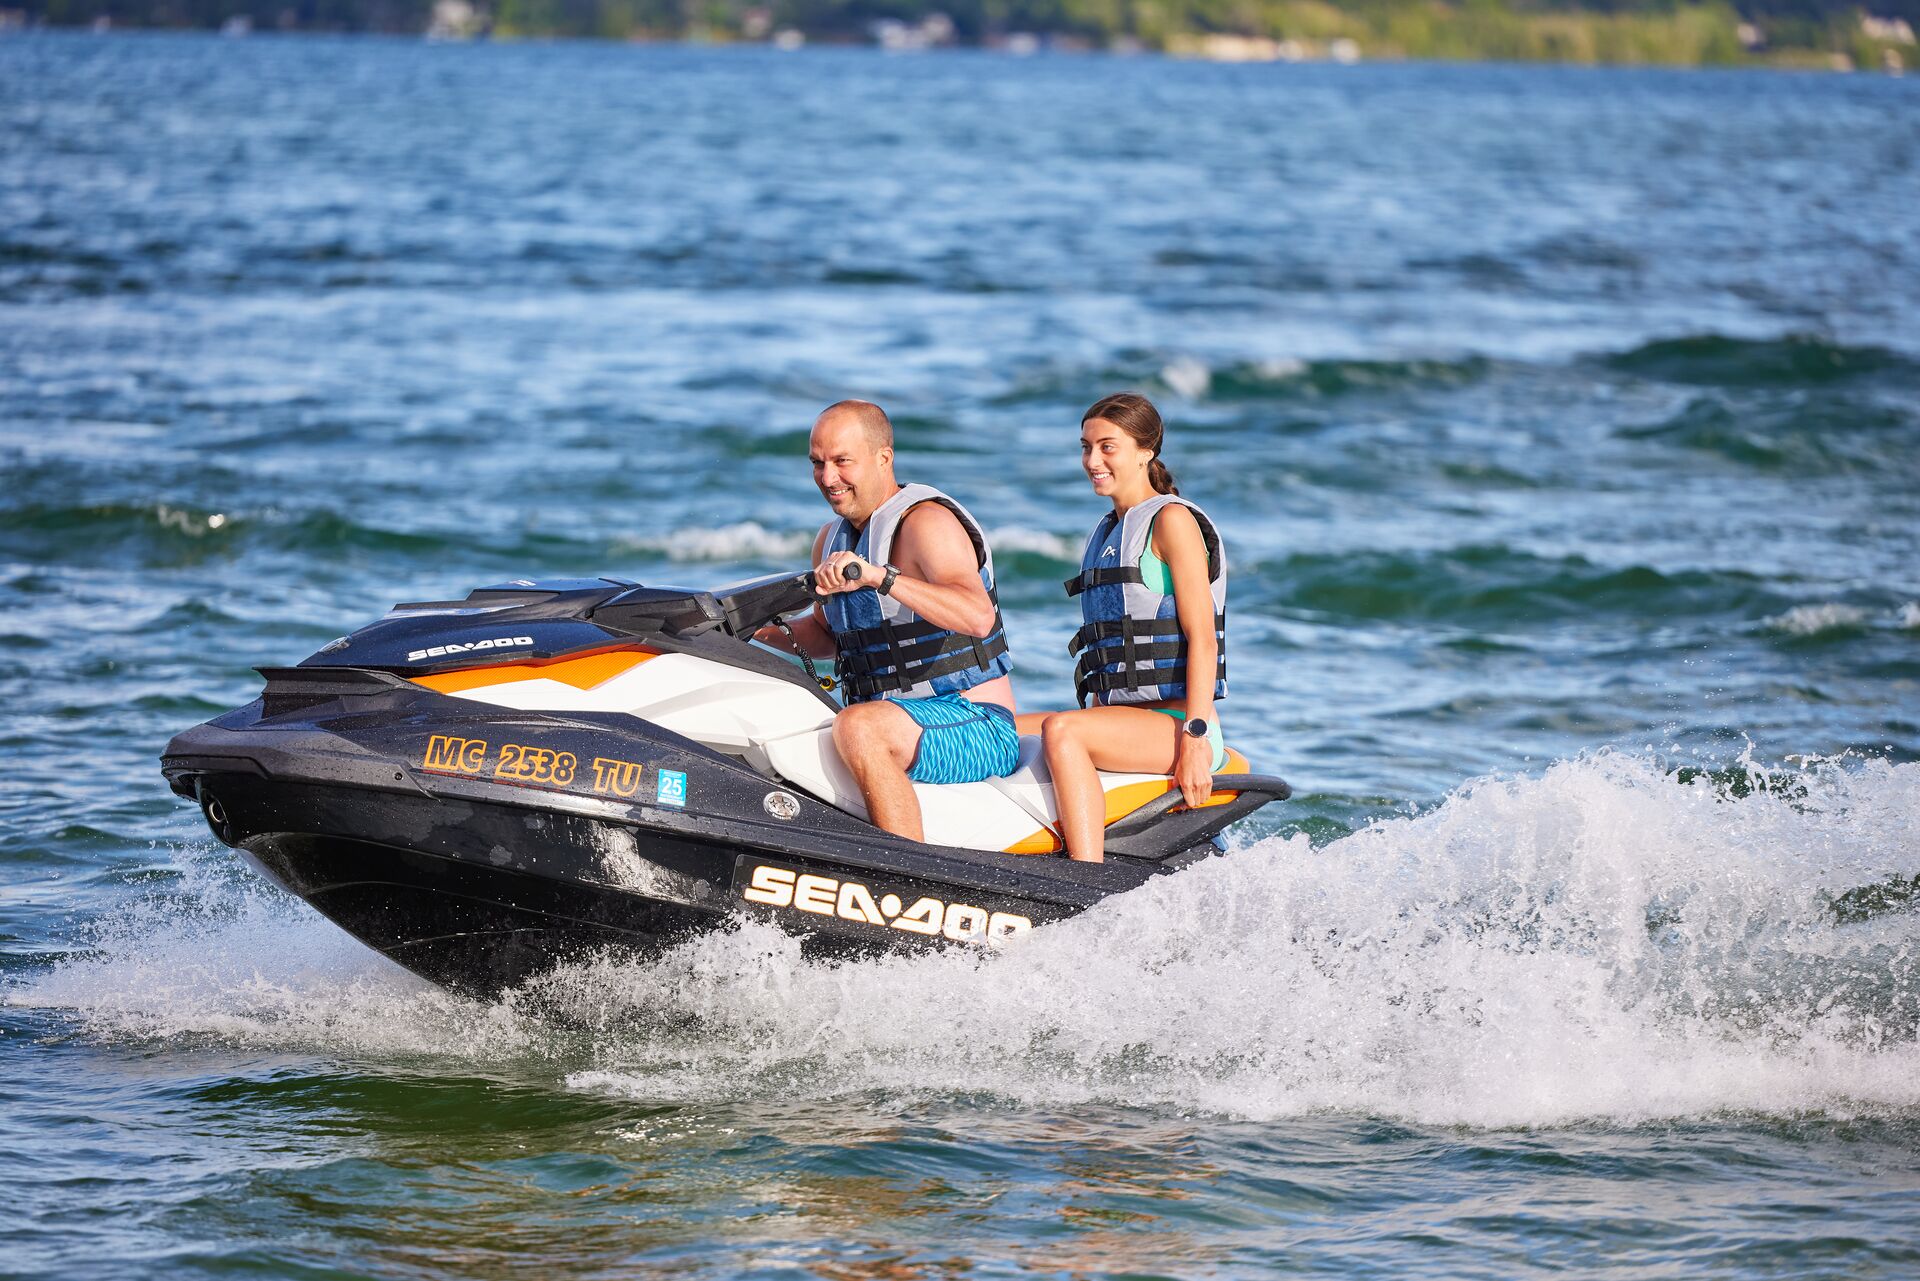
point(1193, 770)
point(830, 575)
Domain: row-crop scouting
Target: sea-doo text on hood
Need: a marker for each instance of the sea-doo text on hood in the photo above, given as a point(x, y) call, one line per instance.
point(461, 647)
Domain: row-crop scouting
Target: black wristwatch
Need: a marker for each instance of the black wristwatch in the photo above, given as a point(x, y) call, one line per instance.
point(886, 584)
point(1196, 728)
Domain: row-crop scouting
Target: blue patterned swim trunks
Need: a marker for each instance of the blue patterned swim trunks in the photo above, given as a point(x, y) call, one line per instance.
point(961, 741)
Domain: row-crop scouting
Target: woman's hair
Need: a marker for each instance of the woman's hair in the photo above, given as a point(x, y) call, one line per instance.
point(1135, 415)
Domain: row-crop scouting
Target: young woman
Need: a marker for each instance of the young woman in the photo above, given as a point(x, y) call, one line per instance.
point(1153, 601)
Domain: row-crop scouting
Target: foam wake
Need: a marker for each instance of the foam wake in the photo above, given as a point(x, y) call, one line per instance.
point(1605, 941)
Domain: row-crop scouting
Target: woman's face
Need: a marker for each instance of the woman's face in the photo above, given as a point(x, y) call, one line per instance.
point(1111, 458)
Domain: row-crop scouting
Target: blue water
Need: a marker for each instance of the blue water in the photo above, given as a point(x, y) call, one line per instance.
point(1565, 429)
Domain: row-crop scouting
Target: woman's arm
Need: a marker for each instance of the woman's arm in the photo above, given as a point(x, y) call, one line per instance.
point(1177, 541)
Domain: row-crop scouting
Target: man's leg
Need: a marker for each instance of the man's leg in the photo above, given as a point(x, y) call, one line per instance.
point(878, 742)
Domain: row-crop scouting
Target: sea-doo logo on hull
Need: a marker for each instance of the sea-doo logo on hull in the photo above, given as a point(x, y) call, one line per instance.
point(773, 886)
point(457, 648)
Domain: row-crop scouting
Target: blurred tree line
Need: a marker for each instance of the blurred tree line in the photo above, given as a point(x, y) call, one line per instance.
point(1685, 32)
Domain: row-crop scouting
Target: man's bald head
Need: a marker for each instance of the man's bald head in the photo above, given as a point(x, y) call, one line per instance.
point(852, 450)
point(864, 414)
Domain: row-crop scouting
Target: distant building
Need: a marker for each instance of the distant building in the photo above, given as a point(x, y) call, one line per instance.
point(457, 20)
point(1892, 30)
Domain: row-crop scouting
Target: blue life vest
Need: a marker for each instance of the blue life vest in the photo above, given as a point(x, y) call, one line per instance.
point(887, 649)
point(1130, 644)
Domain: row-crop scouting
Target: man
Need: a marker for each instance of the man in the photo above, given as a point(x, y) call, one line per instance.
point(916, 631)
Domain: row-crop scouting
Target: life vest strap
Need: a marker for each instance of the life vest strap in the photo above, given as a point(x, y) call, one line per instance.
point(866, 661)
point(885, 633)
point(1123, 629)
point(1102, 578)
point(1100, 656)
point(1088, 683)
point(864, 680)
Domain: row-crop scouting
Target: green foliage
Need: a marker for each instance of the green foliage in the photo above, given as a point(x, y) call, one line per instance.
point(1671, 32)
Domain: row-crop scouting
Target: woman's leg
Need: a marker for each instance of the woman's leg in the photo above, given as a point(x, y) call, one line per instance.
point(1079, 744)
point(1030, 722)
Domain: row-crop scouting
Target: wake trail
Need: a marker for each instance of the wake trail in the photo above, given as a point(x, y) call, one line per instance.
point(1606, 941)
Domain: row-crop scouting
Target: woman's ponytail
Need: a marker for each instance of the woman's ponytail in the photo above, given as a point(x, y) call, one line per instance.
point(1135, 415)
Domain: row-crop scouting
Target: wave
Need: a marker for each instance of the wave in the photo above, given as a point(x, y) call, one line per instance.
point(1607, 940)
point(1836, 622)
point(1793, 361)
point(746, 541)
point(1037, 550)
point(157, 534)
point(1823, 436)
point(1314, 379)
point(166, 533)
point(1818, 620)
point(1496, 585)
point(1276, 378)
point(1019, 542)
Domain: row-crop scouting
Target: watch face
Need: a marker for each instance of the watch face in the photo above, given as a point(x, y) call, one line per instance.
point(1196, 728)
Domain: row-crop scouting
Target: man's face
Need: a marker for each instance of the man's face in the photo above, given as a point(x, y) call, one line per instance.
point(848, 470)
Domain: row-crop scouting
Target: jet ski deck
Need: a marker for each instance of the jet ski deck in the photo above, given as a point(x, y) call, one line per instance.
point(481, 788)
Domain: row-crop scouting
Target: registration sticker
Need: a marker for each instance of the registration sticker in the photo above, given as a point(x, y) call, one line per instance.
point(671, 788)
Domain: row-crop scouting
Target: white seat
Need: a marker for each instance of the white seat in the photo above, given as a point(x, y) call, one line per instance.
point(1030, 786)
point(973, 816)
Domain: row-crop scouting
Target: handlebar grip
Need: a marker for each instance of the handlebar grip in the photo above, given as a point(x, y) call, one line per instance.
point(806, 579)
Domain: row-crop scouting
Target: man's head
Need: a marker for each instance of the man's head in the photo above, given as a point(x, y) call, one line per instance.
point(852, 452)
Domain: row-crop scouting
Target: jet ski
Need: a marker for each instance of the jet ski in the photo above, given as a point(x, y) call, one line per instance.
point(480, 789)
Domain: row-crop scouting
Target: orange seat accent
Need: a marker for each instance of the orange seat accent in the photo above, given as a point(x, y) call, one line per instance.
point(1044, 841)
point(1122, 801)
point(583, 672)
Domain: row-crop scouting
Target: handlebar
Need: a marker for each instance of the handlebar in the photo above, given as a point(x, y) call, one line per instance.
point(749, 606)
point(853, 576)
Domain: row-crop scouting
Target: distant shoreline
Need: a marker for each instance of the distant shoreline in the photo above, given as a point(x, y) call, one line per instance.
point(1800, 60)
point(1287, 31)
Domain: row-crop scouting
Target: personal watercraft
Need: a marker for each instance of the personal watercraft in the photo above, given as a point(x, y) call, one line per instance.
point(480, 789)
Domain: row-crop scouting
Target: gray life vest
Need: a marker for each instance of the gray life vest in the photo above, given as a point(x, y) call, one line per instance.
point(886, 648)
point(1130, 646)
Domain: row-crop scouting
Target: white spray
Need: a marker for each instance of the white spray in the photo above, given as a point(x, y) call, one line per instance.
point(1603, 941)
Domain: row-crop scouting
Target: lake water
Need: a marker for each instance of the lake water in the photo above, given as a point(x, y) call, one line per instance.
point(1565, 429)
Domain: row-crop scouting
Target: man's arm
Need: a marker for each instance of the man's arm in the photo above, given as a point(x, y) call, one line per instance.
point(810, 629)
point(939, 574)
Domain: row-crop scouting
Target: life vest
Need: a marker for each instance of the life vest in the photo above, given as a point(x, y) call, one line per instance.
point(1130, 644)
point(886, 648)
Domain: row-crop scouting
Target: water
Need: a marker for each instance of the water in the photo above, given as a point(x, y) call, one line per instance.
point(1563, 427)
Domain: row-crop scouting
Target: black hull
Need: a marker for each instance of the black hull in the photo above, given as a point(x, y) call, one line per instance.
point(477, 931)
point(479, 896)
